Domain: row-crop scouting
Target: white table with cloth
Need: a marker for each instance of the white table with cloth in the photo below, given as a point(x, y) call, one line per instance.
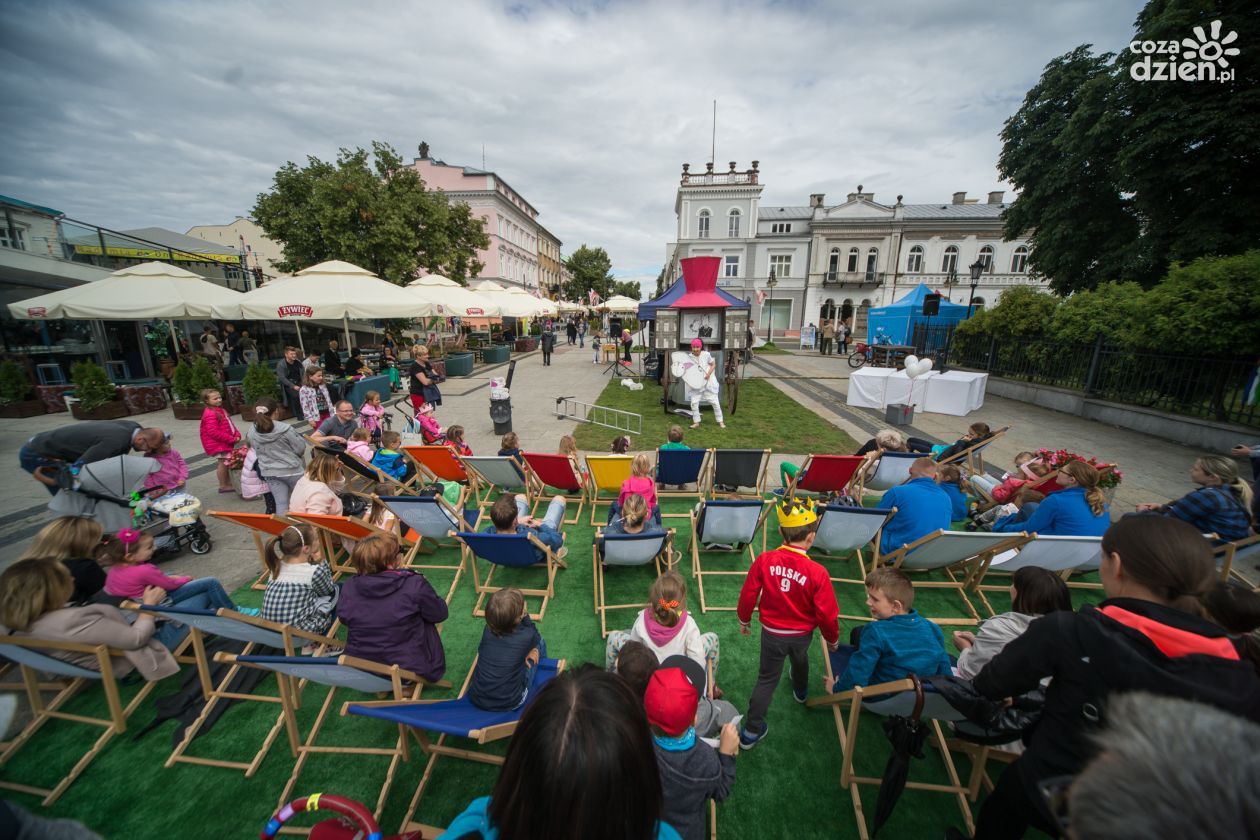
point(956, 392)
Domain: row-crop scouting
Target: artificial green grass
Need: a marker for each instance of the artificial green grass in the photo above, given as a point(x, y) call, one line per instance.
point(764, 418)
point(788, 785)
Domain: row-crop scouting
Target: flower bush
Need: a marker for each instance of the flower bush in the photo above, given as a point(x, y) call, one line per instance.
point(1057, 458)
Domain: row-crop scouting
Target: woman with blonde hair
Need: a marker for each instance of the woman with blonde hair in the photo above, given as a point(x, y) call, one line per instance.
point(316, 491)
point(73, 541)
point(1221, 505)
point(1078, 510)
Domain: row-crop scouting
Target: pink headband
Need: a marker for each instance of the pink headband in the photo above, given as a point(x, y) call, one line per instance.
point(128, 536)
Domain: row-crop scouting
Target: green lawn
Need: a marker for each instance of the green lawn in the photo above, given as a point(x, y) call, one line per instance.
point(764, 417)
point(127, 793)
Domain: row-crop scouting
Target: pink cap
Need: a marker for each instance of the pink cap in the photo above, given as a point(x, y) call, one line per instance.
point(695, 342)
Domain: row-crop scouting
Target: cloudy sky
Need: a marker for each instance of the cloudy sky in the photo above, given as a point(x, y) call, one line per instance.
point(169, 113)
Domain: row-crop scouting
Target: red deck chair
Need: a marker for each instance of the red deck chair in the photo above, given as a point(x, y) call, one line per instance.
point(825, 474)
point(260, 525)
point(438, 462)
point(558, 472)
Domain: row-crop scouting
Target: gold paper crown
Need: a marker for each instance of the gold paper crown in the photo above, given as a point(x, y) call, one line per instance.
point(793, 513)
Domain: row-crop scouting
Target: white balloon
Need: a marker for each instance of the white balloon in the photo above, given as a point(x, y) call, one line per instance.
point(918, 367)
point(910, 361)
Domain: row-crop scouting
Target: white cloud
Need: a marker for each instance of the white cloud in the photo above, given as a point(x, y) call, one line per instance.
point(178, 113)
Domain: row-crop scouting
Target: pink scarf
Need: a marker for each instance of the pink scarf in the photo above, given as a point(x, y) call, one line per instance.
point(659, 633)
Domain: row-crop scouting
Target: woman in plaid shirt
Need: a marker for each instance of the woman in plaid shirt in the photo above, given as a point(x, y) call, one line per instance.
point(1221, 505)
point(301, 592)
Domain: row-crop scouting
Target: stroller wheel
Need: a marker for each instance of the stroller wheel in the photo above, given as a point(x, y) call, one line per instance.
point(200, 543)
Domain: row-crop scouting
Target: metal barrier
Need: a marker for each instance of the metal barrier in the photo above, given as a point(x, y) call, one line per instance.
point(568, 408)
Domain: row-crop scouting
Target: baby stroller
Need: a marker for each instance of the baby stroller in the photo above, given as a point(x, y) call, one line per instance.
point(174, 521)
point(417, 424)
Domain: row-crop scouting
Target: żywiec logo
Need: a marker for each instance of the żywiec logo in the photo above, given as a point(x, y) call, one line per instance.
point(37, 312)
point(294, 310)
point(1197, 59)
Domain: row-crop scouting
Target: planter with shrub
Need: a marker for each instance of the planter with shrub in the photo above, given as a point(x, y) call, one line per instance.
point(17, 395)
point(96, 397)
point(187, 383)
point(259, 382)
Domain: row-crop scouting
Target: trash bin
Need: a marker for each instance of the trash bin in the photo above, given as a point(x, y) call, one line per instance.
point(501, 415)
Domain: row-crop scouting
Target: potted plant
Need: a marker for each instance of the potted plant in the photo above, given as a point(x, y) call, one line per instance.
point(97, 397)
point(259, 382)
point(158, 337)
point(187, 383)
point(15, 392)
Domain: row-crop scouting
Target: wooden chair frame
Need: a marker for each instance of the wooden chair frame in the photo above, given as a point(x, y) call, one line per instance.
point(483, 489)
point(703, 478)
point(583, 490)
point(871, 470)
point(698, 573)
point(460, 522)
point(971, 567)
point(759, 489)
point(66, 688)
point(258, 523)
point(469, 558)
point(847, 731)
point(989, 565)
point(597, 569)
point(857, 461)
point(1225, 554)
point(434, 461)
point(594, 466)
point(369, 475)
point(973, 456)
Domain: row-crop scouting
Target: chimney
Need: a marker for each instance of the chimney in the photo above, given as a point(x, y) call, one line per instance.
point(996, 197)
point(960, 198)
point(816, 200)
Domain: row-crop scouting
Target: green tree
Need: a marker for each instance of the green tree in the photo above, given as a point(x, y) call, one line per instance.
point(370, 210)
point(1021, 312)
point(1209, 307)
point(660, 282)
point(1109, 311)
point(591, 269)
point(629, 288)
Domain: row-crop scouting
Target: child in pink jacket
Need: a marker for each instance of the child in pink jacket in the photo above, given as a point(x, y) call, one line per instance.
point(641, 482)
point(173, 473)
point(370, 414)
point(218, 436)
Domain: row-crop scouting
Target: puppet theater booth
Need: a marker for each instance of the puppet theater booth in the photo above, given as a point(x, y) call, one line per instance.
point(694, 307)
point(899, 319)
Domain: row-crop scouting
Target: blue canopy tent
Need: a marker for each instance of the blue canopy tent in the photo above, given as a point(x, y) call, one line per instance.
point(647, 309)
point(898, 320)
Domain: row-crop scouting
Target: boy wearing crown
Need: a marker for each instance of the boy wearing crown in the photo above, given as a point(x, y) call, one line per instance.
point(794, 596)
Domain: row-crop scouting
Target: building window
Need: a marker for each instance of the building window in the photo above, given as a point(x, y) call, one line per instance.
point(702, 227)
point(732, 224)
point(853, 258)
point(872, 257)
point(781, 265)
point(18, 239)
point(914, 263)
point(777, 312)
point(833, 264)
point(781, 227)
point(1019, 260)
point(986, 258)
point(949, 262)
point(732, 266)
point(977, 304)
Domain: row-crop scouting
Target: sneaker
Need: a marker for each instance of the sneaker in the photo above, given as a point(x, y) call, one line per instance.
point(562, 553)
point(804, 695)
point(748, 740)
point(253, 612)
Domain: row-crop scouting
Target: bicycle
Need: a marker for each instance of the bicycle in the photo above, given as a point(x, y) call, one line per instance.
point(861, 355)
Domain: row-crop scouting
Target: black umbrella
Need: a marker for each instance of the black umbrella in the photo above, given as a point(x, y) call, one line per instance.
point(907, 734)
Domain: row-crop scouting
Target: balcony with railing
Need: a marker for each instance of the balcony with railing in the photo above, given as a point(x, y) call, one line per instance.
point(852, 278)
point(711, 178)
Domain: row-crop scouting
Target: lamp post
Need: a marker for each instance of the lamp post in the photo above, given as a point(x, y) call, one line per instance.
point(976, 269)
point(770, 284)
point(951, 280)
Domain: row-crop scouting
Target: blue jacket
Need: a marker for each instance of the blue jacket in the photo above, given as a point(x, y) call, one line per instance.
point(501, 676)
point(893, 649)
point(957, 500)
point(393, 464)
point(1062, 514)
point(922, 507)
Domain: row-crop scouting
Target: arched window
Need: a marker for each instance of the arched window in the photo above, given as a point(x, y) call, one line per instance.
point(1019, 260)
point(833, 264)
point(986, 258)
point(853, 258)
point(872, 257)
point(732, 223)
point(914, 263)
point(977, 304)
point(702, 225)
point(828, 310)
point(949, 262)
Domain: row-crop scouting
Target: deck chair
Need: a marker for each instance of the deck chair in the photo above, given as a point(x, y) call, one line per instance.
point(254, 632)
point(843, 530)
point(364, 477)
point(626, 550)
point(261, 526)
point(336, 672)
point(886, 699)
point(433, 520)
point(892, 469)
point(1061, 555)
point(491, 475)
point(560, 472)
point(1228, 553)
point(732, 522)
point(457, 718)
point(678, 468)
point(513, 551)
point(825, 475)
point(606, 474)
point(436, 462)
point(973, 456)
point(954, 553)
point(34, 657)
point(738, 468)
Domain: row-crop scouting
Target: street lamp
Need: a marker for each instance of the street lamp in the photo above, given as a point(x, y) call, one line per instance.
point(976, 269)
point(770, 284)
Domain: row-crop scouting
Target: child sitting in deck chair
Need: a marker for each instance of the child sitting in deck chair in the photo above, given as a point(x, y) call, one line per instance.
point(675, 439)
point(389, 460)
point(300, 592)
point(951, 480)
point(900, 642)
point(510, 515)
point(640, 482)
point(360, 445)
point(510, 649)
point(976, 433)
point(431, 431)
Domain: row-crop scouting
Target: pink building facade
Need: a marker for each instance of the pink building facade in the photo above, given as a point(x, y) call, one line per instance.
point(511, 221)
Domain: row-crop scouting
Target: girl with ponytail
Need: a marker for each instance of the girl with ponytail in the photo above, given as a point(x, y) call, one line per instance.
point(1078, 510)
point(1221, 505)
point(1156, 632)
point(301, 592)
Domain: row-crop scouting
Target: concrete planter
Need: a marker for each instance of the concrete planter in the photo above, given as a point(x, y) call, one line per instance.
point(459, 364)
point(497, 354)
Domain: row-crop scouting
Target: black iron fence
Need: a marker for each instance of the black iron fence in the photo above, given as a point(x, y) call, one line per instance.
point(1213, 389)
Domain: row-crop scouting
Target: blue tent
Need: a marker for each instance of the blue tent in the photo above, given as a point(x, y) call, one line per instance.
point(899, 319)
point(647, 310)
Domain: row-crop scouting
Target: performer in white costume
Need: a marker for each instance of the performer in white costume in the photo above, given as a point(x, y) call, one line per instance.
point(705, 389)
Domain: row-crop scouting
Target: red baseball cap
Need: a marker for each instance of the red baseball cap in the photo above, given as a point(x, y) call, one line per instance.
point(670, 701)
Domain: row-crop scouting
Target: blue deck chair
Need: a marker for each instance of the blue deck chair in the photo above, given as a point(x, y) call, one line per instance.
point(433, 522)
point(255, 633)
point(489, 476)
point(336, 672)
point(892, 469)
point(513, 551)
point(680, 467)
point(891, 698)
point(457, 718)
point(39, 656)
point(724, 522)
point(955, 553)
point(736, 469)
point(626, 550)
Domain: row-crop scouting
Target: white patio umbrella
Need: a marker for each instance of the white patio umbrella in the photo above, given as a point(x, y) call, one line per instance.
point(328, 291)
point(448, 298)
point(569, 306)
point(619, 303)
point(541, 306)
point(510, 305)
point(149, 290)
